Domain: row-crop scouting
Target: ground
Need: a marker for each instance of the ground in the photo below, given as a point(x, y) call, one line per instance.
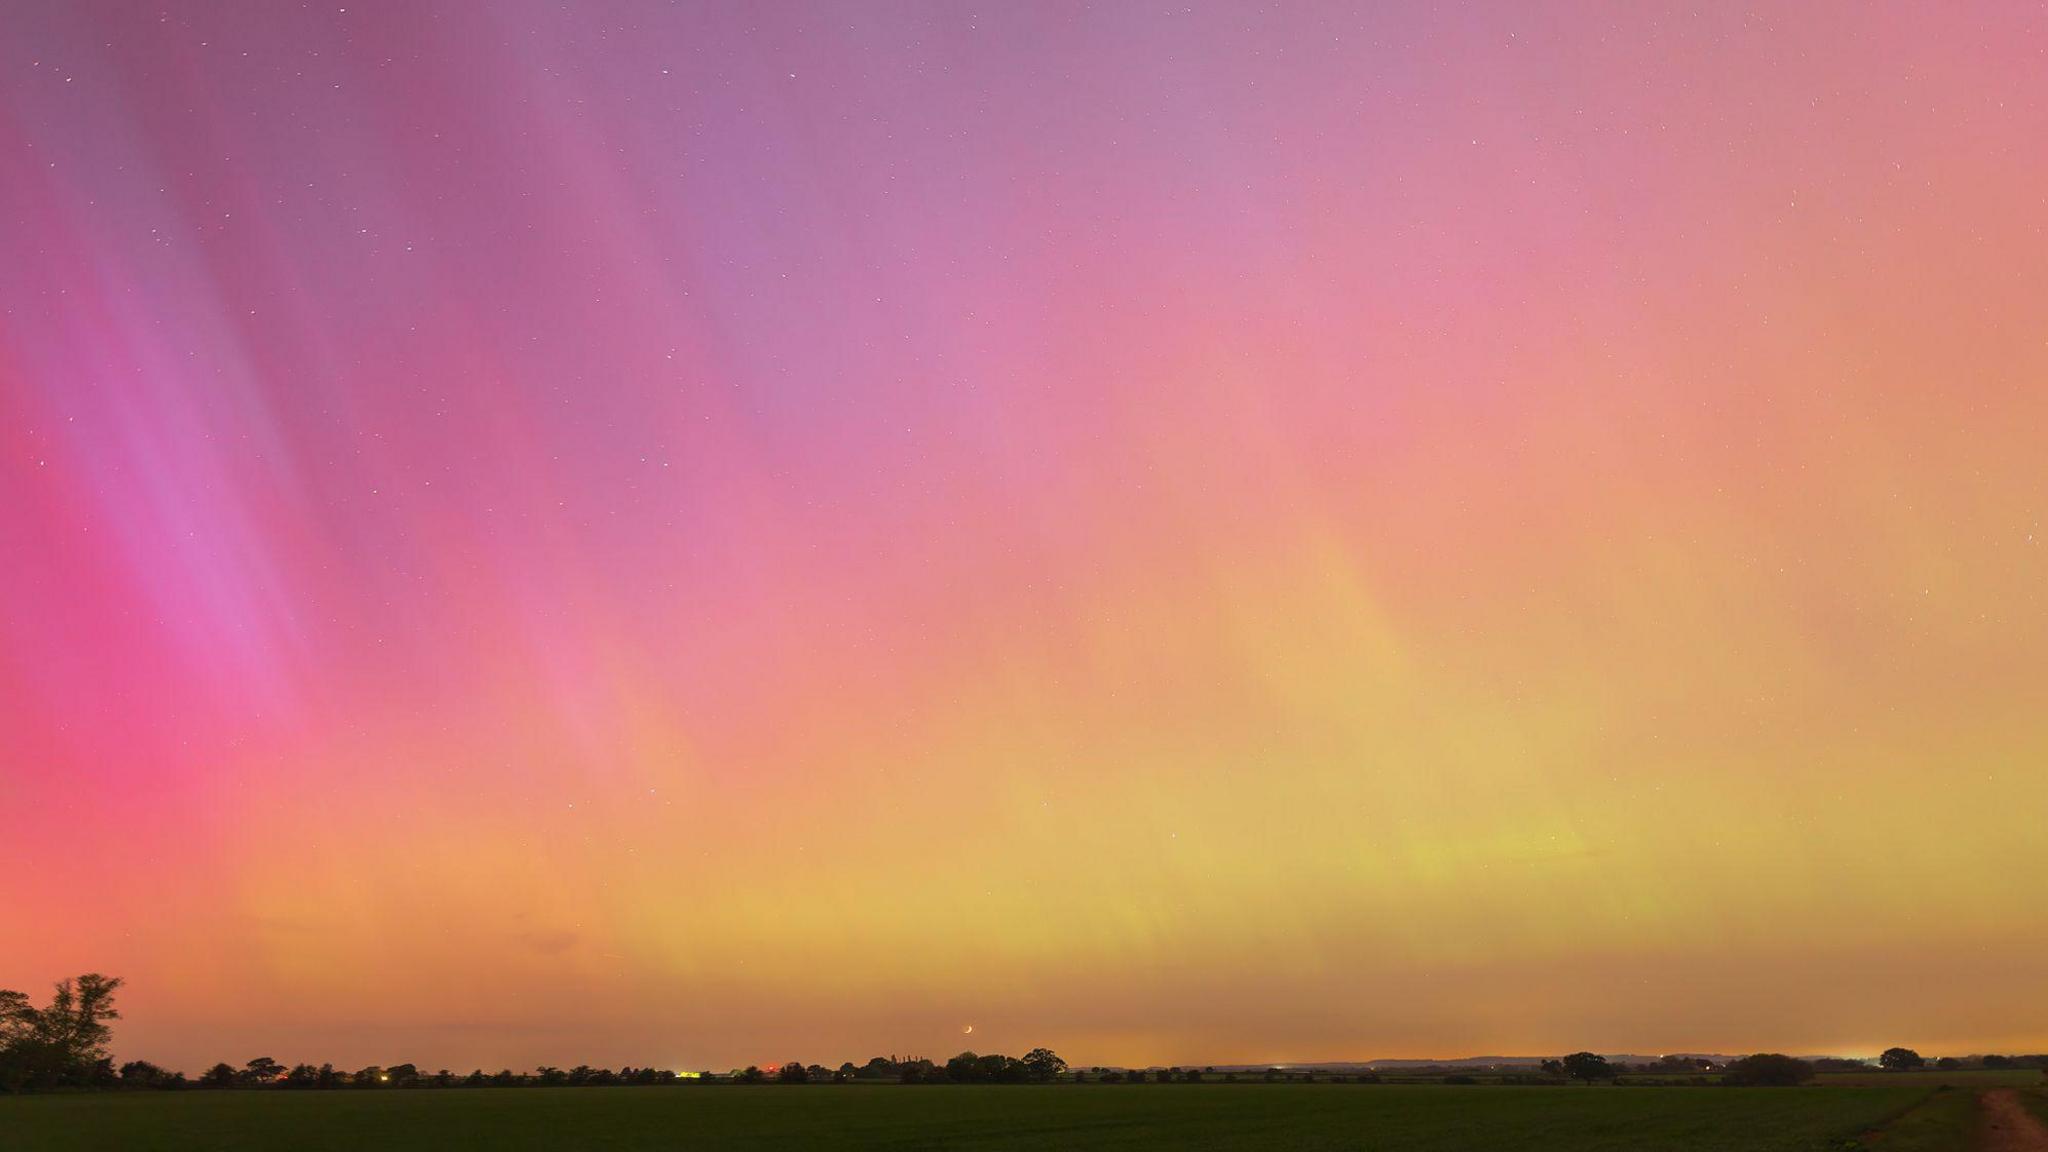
point(2009, 1126)
point(1204, 1118)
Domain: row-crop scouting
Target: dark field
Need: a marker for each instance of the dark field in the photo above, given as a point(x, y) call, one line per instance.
point(1397, 1118)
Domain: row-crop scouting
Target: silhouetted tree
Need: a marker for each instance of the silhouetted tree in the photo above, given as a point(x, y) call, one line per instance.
point(1042, 1064)
point(793, 1073)
point(1588, 1066)
point(370, 1077)
point(221, 1075)
point(1998, 1061)
point(302, 1076)
point(65, 1043)
point(143, 1074)
point(1901, 1059)
point(750, 1075)
point(261, 1070)
point(1768, 1070)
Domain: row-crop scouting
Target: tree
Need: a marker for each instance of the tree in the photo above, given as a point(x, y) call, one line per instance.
point(551, 1076)
point(17, 1016)
point(142, 1074)
point(370, 1077)
point(750, 1075)
point(261, 1070)
point(221, 1075)
point(65, 1043)
point(78, 1014)
point(793, 1073)
point(1901, 1059)
point(22, 1053)
point(1768, 1070)
point(1588, 1066)
point(302, 1076)
point(1042, 1064)
point(1553, 1067)
point(964, 1068)
point(1998, 1061)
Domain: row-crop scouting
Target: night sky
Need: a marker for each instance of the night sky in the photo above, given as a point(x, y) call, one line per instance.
point(706, 534)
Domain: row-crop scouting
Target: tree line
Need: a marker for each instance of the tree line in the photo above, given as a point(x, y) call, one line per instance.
point(65, 1045)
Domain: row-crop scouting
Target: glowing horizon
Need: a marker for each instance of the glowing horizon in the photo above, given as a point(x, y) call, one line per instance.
point(697, 537)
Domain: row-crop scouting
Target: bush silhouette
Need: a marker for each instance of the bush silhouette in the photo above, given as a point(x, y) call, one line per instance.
point(1768, 1070)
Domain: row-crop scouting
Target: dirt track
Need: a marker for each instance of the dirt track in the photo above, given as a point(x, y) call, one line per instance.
point(2009, 1127)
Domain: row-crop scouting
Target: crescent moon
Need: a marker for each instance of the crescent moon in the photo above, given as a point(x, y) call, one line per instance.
point(967, 1031)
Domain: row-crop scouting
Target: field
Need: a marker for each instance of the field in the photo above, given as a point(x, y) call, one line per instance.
point(1304, 1117)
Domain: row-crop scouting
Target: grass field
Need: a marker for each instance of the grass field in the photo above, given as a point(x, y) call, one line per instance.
point(1945, 1122)
point(1199, 1117)
point(1975, 1079)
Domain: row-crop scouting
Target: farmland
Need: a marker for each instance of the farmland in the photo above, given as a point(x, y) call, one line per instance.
point(1318, 1117)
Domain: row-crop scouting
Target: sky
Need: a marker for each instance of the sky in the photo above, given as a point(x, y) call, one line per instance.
point(707, 534)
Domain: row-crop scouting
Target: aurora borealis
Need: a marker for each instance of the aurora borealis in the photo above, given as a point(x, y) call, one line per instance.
point(705, 534)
